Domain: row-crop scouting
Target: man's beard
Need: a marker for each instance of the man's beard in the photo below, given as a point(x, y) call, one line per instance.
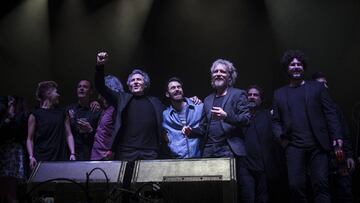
point(218, 83)
point(252, 104)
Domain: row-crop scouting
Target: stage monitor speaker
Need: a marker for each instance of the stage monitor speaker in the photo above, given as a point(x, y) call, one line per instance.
point(66, 181)
point(186, 180)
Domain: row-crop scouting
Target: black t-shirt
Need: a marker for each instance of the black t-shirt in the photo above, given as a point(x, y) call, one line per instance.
point(49, 138)
point(254, 159)
point(140, 128)
point(216, 134)
point(83, 141)
point(301, 134)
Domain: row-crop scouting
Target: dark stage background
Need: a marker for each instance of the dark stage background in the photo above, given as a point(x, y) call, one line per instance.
point(58, 40)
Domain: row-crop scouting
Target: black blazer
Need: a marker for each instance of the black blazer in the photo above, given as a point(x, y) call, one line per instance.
point(320, 111)
point(120, 100)
point(271, 151)
point(235, 104)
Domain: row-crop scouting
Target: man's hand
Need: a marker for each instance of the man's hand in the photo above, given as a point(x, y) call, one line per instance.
point(338, 142)
point(350, 164)
point(339, 152)
point(84, 126)
point(95, 106)
point(72, 157)
point(32, 162)
point(196, 100)
point(71, 113)
point(218, 113)
point(109, 155)
point(101, 58)
point(186, 130)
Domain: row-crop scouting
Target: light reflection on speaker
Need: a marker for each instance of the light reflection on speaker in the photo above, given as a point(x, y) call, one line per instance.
point(186, 180)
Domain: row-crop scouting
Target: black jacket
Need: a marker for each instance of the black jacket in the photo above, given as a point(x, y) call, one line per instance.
point(120, 100)
point(320, 111)
point(235, 104)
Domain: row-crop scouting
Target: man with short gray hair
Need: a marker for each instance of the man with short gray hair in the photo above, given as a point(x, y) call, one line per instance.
point(138, 131)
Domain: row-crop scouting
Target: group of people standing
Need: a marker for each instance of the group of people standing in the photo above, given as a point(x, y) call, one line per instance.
point(298, 136)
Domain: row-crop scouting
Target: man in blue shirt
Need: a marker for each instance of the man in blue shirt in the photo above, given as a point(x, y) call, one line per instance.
point(182, 112)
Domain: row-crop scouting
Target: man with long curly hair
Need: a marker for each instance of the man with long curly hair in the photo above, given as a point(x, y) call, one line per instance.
point(306, 124)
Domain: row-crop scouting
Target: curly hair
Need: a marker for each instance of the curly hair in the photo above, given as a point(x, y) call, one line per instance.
point(258, 88)
point(43, 88)
point(230, 69)
point(172, 79)
point(144, 74)
point(289, 55)
point(113, 83)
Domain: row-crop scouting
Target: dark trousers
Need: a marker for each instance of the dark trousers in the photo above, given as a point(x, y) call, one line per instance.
point(132, 154)
point(341, 188)
point(315, 161)
point(217, 151)
point(253, 186)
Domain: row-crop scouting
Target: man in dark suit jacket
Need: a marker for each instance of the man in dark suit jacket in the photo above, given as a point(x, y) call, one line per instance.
point(341, 169)
point(137, 135)
point(264, 165)
point(225, 113)
point(306, 123)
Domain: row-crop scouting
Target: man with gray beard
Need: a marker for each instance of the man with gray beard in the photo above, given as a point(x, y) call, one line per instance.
point(225, 114)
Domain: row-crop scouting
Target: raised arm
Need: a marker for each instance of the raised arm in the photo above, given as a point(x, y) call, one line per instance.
point(107, 93)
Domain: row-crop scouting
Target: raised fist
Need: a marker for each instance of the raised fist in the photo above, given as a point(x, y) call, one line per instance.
point(101, 58)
